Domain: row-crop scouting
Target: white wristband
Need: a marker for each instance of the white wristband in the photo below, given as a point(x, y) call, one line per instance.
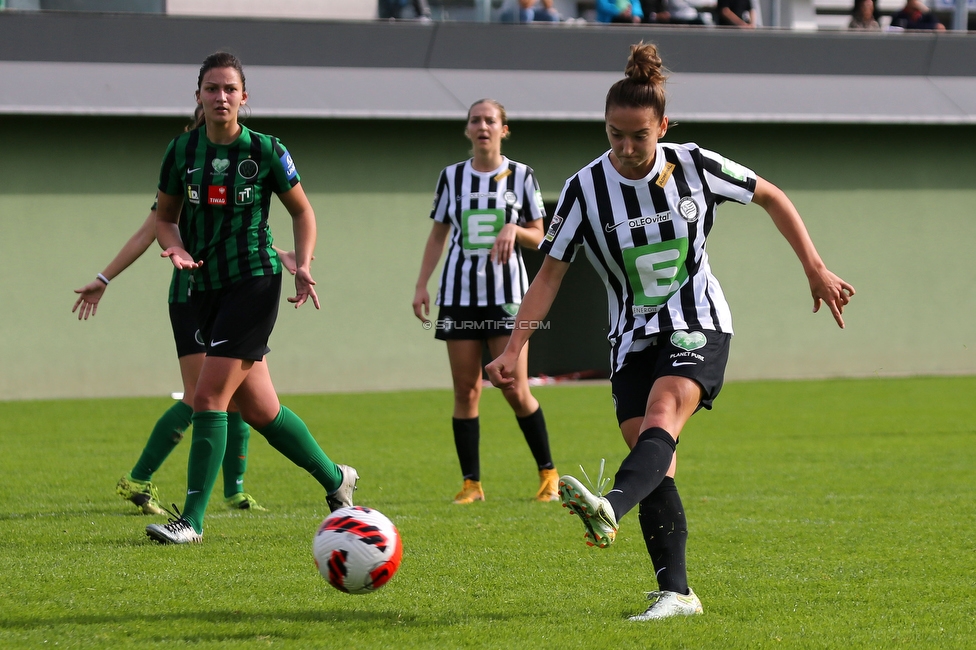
point(102, 278)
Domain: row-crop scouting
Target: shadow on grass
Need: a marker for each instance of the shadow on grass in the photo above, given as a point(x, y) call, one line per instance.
point(238, 617)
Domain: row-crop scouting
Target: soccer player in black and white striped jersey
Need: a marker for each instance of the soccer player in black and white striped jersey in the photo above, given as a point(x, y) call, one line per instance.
point(642, 212)
point(488, 206)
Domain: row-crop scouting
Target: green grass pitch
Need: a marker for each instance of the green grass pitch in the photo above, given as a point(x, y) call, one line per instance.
point(827, 514)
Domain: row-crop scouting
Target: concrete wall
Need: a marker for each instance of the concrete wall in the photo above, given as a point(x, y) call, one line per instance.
point(890, 209)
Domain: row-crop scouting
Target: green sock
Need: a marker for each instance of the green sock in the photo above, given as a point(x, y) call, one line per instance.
point(235, 456)
point(206, 451)
point(164, 437)
point(289, 435)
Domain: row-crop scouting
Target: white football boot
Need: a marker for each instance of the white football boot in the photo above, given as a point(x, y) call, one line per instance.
point(669, 603)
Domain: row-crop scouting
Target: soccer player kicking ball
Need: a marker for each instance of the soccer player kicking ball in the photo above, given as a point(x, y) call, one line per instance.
point(642, 212)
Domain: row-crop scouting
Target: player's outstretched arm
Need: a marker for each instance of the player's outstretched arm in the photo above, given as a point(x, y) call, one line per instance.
point(303, 226)
point(825, 286)
point(432, 253)
point(168, 209)
point(138, 243)
point(535, 306)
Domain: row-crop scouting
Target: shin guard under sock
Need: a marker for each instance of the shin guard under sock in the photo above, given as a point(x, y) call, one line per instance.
point(235, 456)
point(642, 470)
point(289, 435)
point(665, 528)
point(533, 427)
point(206, 452)
point(167, 433)
point(467, 435)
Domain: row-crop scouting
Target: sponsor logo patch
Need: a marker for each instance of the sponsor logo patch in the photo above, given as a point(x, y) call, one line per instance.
point(640, 222)
point(244, 195)
point(554, 225)
point(217, 195)
point(735, 170)
point(193, 194)
point(289, 165)
point(688, 340)
point(665, 175)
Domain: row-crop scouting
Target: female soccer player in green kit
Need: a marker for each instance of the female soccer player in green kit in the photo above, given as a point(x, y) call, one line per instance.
point(224, 175)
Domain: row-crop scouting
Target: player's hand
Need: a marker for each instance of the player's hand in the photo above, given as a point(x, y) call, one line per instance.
point(288, 260)
point(504, 244)
point(181, 259)
point(91, 293)
point(421, 304)
point(501, 371)
point(825, 287)
point(304, 289)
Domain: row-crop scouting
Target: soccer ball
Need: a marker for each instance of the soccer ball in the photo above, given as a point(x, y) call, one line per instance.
point(357, 550)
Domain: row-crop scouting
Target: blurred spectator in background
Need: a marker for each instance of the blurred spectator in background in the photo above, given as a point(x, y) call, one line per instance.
point(915, 15)
point(735, 13)
point(671, 12)
point(862, 17)
point(528, 11)
point(619, 11)
point(395, 9)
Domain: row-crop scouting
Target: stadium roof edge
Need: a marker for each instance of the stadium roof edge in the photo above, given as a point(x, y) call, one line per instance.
point(97, 64)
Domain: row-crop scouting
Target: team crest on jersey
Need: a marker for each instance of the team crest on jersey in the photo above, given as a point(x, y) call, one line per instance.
point(248, 169)
point(193, 194)
point(244, 195)
point(554, 226)
point(688, 209)
point(510, 198)
point(217, 195)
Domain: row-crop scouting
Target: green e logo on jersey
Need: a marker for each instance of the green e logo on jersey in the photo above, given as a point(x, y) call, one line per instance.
point(655, 271)
point(479, 228)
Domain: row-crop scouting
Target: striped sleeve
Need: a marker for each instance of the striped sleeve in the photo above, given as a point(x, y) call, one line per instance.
point(283, 168)
point(442, 199)
point(170, 180)
point(566, 227)
point(726, 179)
point(533, 206)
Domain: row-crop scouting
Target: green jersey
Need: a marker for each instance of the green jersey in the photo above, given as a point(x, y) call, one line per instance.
point(226, 193)
point(179, 286)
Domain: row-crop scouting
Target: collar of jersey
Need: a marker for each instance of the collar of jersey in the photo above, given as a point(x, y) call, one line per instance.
point(655, 170)
point(497, 170)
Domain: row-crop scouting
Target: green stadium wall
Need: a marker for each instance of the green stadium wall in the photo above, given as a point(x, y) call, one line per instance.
point(889, 207)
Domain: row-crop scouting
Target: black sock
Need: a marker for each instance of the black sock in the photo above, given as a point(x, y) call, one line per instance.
point(467, 432)
point(534, 429)
point(642, 470)
point(662, 520)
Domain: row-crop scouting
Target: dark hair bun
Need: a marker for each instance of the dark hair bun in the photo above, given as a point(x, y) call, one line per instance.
point(644, 65)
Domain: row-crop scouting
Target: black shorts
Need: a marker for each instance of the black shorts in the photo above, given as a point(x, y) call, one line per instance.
point(236, 321)
point(186, 331)
point(698, 355)
point(474, 323)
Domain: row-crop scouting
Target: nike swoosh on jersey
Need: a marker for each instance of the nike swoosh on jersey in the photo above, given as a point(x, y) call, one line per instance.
point(214, 344)
point(683, 363)
point(195, 169)
point(610, 228)
point(193, 491)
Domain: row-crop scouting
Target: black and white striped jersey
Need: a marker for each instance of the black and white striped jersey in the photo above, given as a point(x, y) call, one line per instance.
point(646, 240)
point(477, 205)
